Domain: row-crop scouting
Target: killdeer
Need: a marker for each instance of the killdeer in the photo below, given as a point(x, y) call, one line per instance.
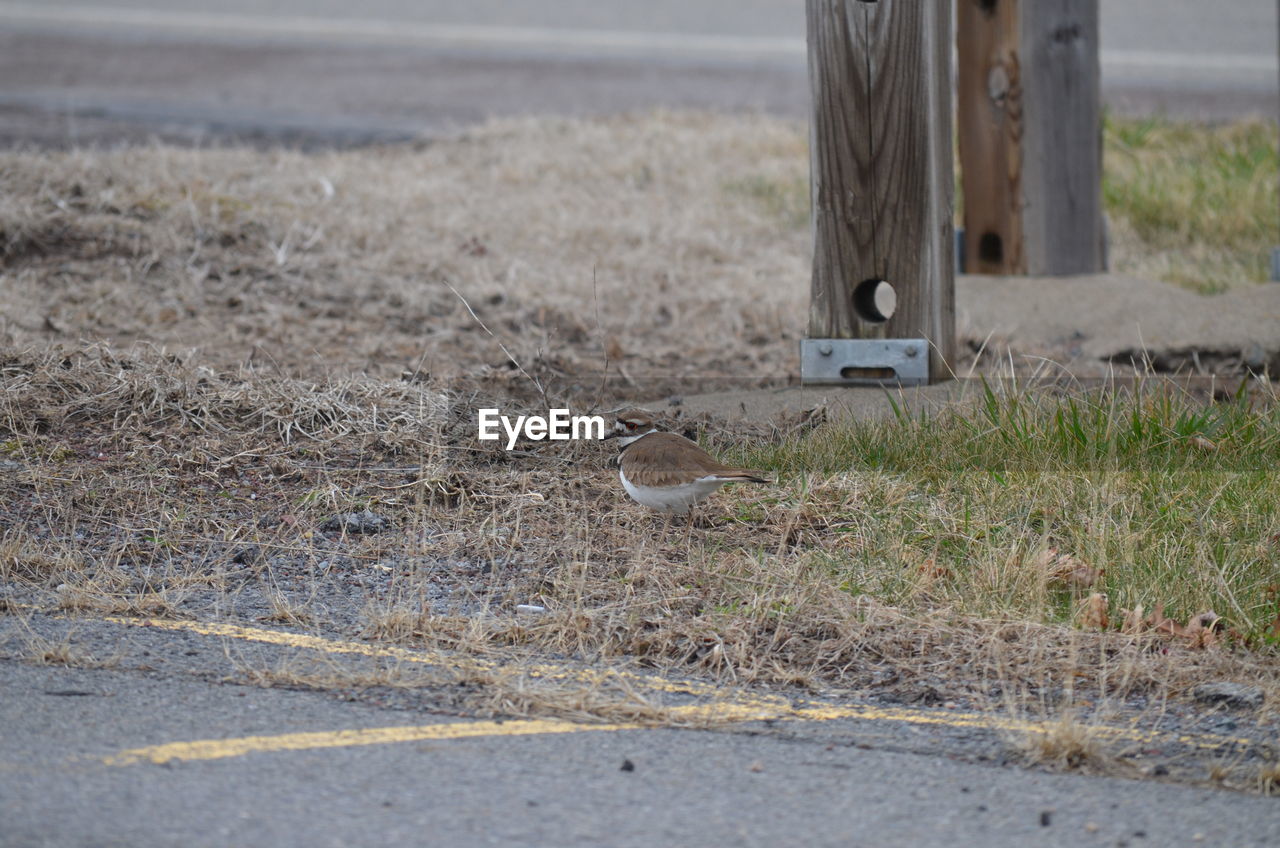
point(665, 471)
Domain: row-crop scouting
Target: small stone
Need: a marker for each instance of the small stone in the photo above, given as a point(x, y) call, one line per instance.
point(530, 609)
point(1229, 694)
point(1046, 818)
point(627, 765)
point(247, 555)
point(362, 523)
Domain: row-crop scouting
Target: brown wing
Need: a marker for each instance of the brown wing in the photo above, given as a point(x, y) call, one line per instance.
point(667, 459)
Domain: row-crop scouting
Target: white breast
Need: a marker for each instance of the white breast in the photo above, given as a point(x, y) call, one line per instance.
point(678, 499)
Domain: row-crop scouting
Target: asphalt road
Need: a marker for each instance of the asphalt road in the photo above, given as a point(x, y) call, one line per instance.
point(312, 72)
point(167, 745)
point(685, 788)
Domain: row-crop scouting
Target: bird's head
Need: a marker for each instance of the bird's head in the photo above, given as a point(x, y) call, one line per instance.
point(630, 425)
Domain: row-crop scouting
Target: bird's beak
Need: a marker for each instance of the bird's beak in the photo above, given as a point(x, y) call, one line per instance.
point(612, 434)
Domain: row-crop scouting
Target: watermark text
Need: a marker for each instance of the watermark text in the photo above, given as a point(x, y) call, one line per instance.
point(558, 425)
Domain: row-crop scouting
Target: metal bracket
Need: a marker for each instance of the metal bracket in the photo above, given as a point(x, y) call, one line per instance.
point(864, 362)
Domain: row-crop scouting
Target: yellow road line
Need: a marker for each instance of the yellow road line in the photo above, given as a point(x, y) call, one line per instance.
point(546, 671)
point(740, 707)
point(218, 749)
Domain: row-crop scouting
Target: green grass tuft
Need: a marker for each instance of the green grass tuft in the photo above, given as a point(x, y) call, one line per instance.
point(1195, 205)
point(1173, 501)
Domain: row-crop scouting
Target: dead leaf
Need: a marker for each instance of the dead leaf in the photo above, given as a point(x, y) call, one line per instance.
point(1201, 630)
point(1275, 628)
point(1093, 612)
point(1203, 444)
point(613, 349)
point(1239, 638)
point(1133, 623)
point(1158, 622)
point(1066, 569)
point(931, 570)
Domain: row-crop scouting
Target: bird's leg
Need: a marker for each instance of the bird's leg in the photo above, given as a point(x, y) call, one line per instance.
point(689, 518)
point(666, 525)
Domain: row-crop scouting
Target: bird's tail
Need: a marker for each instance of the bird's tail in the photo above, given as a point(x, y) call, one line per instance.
point(743, 476)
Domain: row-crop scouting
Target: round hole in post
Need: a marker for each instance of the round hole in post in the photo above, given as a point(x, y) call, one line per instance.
point(988, 7)
point(991, 249)
point(875, 300)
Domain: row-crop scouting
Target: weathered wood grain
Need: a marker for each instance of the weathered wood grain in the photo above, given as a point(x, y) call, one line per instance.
point(1030, 136)
point(881, 169)
point(1062, 153)
point(989, 105)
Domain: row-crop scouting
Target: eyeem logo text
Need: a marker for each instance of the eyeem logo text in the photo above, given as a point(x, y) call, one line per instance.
point(559, 425)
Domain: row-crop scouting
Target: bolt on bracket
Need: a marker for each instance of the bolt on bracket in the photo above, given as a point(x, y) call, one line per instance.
point(864, 362)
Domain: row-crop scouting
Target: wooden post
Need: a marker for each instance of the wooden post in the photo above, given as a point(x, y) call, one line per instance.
point(1030, 136)
point(882, 183)
point(1275, 251)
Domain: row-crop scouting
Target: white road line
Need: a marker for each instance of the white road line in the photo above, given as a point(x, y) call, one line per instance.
point(546, 38)
point(402, 32)
point(1191, 61)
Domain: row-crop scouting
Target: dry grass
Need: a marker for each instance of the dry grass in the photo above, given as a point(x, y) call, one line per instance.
point(285, 610)
point(64, 652)
point(1066, 743)
point(91, 601)
point(576, 241)
point(1269, 779)
point(512, 693)
point(295, 673)
point(485, 689)
point(1192, 205)
point(324, 366)
point(563, 236)
point(816, 582)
